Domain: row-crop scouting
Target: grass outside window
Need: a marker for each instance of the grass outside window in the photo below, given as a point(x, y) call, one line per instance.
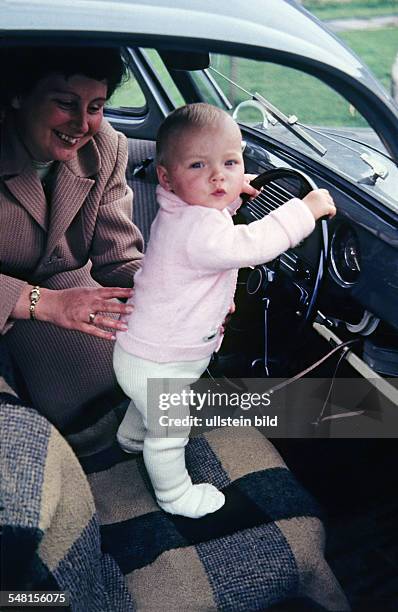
point(351, 9)
point(377, 48)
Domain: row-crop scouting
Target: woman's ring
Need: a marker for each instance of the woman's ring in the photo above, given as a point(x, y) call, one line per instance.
point(91, 317)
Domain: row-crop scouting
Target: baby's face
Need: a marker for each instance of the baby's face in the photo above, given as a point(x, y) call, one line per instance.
point(206, 166)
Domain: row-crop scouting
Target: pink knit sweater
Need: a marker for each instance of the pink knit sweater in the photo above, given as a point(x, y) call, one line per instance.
point(187, 281)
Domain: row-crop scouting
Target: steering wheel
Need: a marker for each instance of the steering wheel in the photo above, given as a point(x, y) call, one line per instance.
point(277, 187)
point(279, 296)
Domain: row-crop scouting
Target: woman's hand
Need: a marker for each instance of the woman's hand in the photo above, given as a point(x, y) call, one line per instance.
point(84, 309)
point(247, 188)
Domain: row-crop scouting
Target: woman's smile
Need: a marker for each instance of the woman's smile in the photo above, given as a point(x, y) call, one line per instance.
point(69, 140)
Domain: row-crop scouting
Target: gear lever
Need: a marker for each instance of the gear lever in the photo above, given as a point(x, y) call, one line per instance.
point(257, 282)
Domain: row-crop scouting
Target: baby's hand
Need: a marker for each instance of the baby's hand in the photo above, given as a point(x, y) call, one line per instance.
point(247, 188)
point(320, 203)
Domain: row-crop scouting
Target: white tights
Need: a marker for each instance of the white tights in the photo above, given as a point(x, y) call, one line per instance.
point(163, 446)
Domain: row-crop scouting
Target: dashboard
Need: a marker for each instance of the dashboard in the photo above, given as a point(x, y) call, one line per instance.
point(358, 292)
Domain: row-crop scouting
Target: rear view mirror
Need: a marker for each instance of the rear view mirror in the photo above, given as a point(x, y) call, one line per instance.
point(185, 60)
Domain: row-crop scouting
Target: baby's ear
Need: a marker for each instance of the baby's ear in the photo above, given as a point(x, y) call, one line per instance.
point(163, 177)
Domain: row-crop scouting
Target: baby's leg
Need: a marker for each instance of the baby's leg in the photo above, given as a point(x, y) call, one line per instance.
point(164, 448)
point(131, 432)
point(165, 463)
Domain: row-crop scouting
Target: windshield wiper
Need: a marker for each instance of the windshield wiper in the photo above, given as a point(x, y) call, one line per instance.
point(288, 122)
point(378, 169)
point(327, 134)
point(291, 124)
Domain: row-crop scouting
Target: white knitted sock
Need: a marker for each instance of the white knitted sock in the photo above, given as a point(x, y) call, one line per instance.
point(130, 445)
point(131, 432)
point(175, 493)
point(199, 500)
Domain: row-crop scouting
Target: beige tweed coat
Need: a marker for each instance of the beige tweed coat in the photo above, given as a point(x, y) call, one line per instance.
point(81, 234)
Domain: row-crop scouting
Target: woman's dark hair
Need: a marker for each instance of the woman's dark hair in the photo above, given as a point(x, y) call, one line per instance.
point(22, 67)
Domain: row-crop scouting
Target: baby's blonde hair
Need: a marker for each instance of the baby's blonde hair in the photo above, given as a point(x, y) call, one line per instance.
point(191, 116)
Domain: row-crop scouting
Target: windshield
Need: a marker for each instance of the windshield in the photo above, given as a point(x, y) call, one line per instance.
point(311, 117)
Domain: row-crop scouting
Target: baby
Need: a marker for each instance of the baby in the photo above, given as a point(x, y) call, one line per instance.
point(187, 283)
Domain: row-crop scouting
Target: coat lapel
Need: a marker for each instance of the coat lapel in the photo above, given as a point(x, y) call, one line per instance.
point(68, 196)
point(28, 190)
point(19, 175)
point(71, 187)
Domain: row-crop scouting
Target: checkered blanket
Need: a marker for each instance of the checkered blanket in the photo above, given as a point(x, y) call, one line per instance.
point(93, 528)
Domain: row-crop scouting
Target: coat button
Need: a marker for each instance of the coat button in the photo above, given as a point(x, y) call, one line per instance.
point(52, 259)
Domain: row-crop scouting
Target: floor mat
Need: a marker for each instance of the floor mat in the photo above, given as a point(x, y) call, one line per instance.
point(362, 549)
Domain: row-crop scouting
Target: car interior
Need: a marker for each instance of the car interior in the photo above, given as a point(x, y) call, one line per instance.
point(320, 318)
point(279, 330)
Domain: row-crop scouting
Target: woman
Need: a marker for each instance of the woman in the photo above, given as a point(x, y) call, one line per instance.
point(68, 246)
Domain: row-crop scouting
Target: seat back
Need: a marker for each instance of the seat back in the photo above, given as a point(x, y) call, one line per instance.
point(141, 177)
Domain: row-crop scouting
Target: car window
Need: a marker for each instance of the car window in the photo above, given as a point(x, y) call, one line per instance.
point(128, 96)
point(163, 74)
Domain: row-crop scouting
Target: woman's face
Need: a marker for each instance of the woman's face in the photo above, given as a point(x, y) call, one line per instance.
point(59, 116)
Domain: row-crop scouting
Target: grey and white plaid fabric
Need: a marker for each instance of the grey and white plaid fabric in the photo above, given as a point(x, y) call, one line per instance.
point(98, 533)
